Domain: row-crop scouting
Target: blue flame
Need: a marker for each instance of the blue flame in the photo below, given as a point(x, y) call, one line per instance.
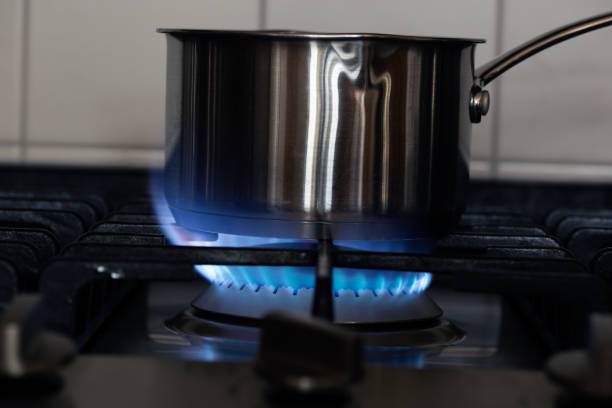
point(295, 278)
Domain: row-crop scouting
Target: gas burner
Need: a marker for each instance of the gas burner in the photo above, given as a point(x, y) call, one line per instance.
point(389, 307)
point(351, 307)
point(295, 279)
point(218, 334)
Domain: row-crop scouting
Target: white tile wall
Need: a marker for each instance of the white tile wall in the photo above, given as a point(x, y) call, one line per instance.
point(94, 75)
point(10, 152)
point(72, 154)
point(556, 108)
point(10, 77)
point(96, 69)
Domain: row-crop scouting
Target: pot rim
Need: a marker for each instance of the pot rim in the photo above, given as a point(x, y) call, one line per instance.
point(308, 35)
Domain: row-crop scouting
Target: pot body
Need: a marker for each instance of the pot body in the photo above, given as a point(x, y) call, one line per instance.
point(344, 138)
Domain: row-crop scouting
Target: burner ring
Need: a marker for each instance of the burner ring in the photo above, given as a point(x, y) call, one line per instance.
point(365, 307)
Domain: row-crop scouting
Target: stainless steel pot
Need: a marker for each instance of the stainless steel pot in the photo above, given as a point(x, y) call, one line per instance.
point(307, 135)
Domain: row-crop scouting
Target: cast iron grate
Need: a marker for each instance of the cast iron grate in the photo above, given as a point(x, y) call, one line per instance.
point(85, 240)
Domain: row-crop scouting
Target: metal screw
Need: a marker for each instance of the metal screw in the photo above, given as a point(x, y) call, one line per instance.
point(117, 274)
point(114, 274)
point(479, 104)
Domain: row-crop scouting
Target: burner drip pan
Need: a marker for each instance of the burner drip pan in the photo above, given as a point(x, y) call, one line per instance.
point(233, 336)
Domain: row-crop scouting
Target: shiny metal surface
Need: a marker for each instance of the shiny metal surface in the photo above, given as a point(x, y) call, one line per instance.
point(118, 381)
point(491, 332)
point(303, 138)
point(479, 104)
point(504, 62)
point(381, 346)
point(341, 136)
point(309, 35)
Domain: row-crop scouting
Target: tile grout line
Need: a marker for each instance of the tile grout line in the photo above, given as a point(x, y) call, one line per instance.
point(262, 20)
point(557, 163)
point(53, 145)
point(60, 144)
point(481, 161)
point(23, 79)
point(496, 119)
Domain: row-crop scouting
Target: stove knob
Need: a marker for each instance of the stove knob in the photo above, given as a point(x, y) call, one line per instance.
point(588, 374)
point(30, 355)
point(308, 355)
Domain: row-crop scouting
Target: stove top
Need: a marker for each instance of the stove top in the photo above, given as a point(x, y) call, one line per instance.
point(516, 282)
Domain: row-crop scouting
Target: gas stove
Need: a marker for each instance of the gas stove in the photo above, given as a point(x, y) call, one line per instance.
point(162, 314)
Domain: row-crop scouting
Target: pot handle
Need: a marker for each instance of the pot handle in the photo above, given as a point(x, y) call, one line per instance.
point(504, 62)
point(479, 98)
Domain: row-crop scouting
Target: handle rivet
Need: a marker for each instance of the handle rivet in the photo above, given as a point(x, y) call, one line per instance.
point(479, 104)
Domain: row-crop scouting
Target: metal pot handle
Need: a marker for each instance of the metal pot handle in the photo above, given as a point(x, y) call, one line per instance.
point(504, 62)
point(479, 98)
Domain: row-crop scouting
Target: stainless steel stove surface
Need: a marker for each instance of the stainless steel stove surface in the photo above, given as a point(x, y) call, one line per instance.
point(495, 337)
point(184, 314)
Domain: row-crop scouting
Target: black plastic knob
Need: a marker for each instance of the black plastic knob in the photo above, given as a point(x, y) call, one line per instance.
point(308, 355)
